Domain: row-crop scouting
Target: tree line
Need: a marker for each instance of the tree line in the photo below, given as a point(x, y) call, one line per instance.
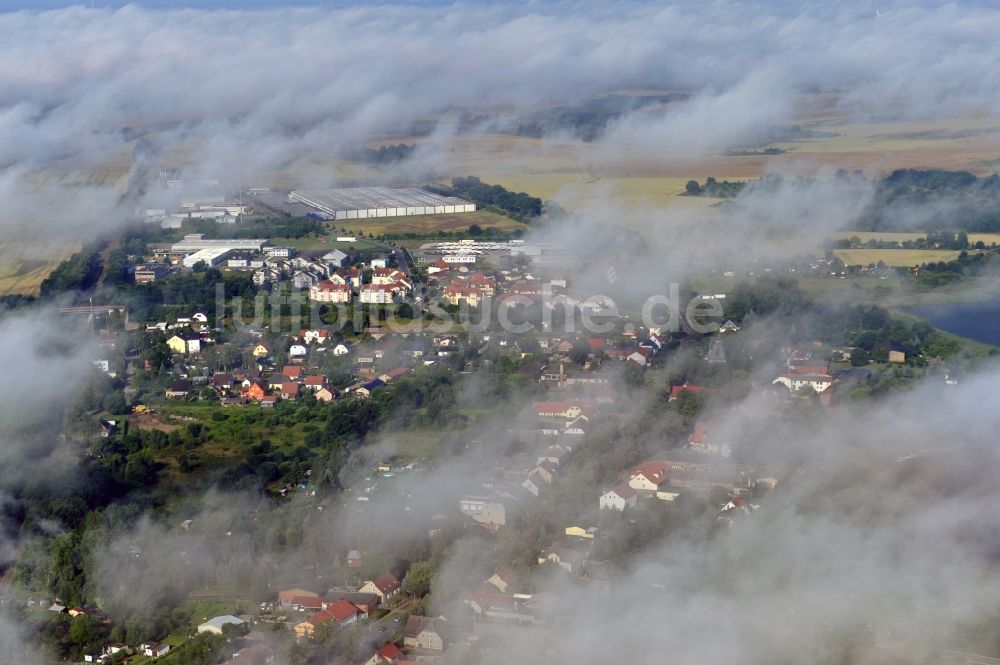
point(519, 205)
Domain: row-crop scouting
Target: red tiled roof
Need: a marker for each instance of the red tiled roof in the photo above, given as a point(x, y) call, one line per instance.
point(342, 609)
point(676, 391)
point(313, 602)
point(389, 652)
point(386, 583)
point(653, 470)
point(327, 285)
point(561, 406)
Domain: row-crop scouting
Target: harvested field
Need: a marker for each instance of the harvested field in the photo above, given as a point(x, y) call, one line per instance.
point(24, 265)
point(987, 239)
point(894, 257)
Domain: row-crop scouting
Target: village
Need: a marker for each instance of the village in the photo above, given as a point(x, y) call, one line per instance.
point(195, 363)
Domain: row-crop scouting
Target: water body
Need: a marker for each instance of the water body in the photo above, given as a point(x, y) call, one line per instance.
point(976, 320)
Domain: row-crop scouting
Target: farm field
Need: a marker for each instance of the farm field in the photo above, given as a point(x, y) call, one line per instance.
point(988, 239)
point(431, 224)
point(894, 257)
point(578, 173)
point(25, 265)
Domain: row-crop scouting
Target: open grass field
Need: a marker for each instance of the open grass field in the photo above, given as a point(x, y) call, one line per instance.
point(327, 243)
point(894, 257)
point(431, 224)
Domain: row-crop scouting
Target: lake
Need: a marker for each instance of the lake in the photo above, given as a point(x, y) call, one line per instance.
point(976, 320)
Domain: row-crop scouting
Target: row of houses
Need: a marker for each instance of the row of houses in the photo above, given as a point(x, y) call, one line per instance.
point(666, 478)
point(339, 608)
point(387, 285)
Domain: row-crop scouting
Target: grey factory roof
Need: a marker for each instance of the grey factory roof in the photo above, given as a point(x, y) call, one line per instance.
point(362, 198)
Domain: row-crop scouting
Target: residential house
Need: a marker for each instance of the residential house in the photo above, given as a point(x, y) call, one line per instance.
point(649, 476)
point(581, 533)
point(456, 293)
point(307, 278)
point(314, 336)
point(307, 603)
point(546, 469)
point(379, 294)
point(293, 372)
point(328, 291)
point(261, 350)
point(341, 613)
point(423, 634)
point(154, 649)
point(180, 388)
point(393, 374)
point(490, 513)
point(566, 558)
point(385, 586)
point(325, 394)
point(554, 455)
point(797, 382)
point(487, 602)
point(108, 427)
point(618, 498)
point(675, 391)
point(354, 275)
point(341, 350)
point(313, 382)
point(705, 438)
point(390, 654)
point(287, 596)
point(222, 381)
point(366, 602)
point(640, 357)
point(391, 277)
point(568, 409)
point(297, 351)
point(186, 343)
point(256, 390)
point(504, 580)
point(438, 267)
point(368, 388)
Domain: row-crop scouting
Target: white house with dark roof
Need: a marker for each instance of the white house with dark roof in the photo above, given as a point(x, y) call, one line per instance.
point(619, 498)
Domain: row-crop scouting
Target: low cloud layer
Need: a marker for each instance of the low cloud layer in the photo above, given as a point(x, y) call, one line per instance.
point(234, 94)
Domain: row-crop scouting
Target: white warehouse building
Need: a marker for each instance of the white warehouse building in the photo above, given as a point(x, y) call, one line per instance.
point(194, 242)
point(368, 202)
point(211, 256)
